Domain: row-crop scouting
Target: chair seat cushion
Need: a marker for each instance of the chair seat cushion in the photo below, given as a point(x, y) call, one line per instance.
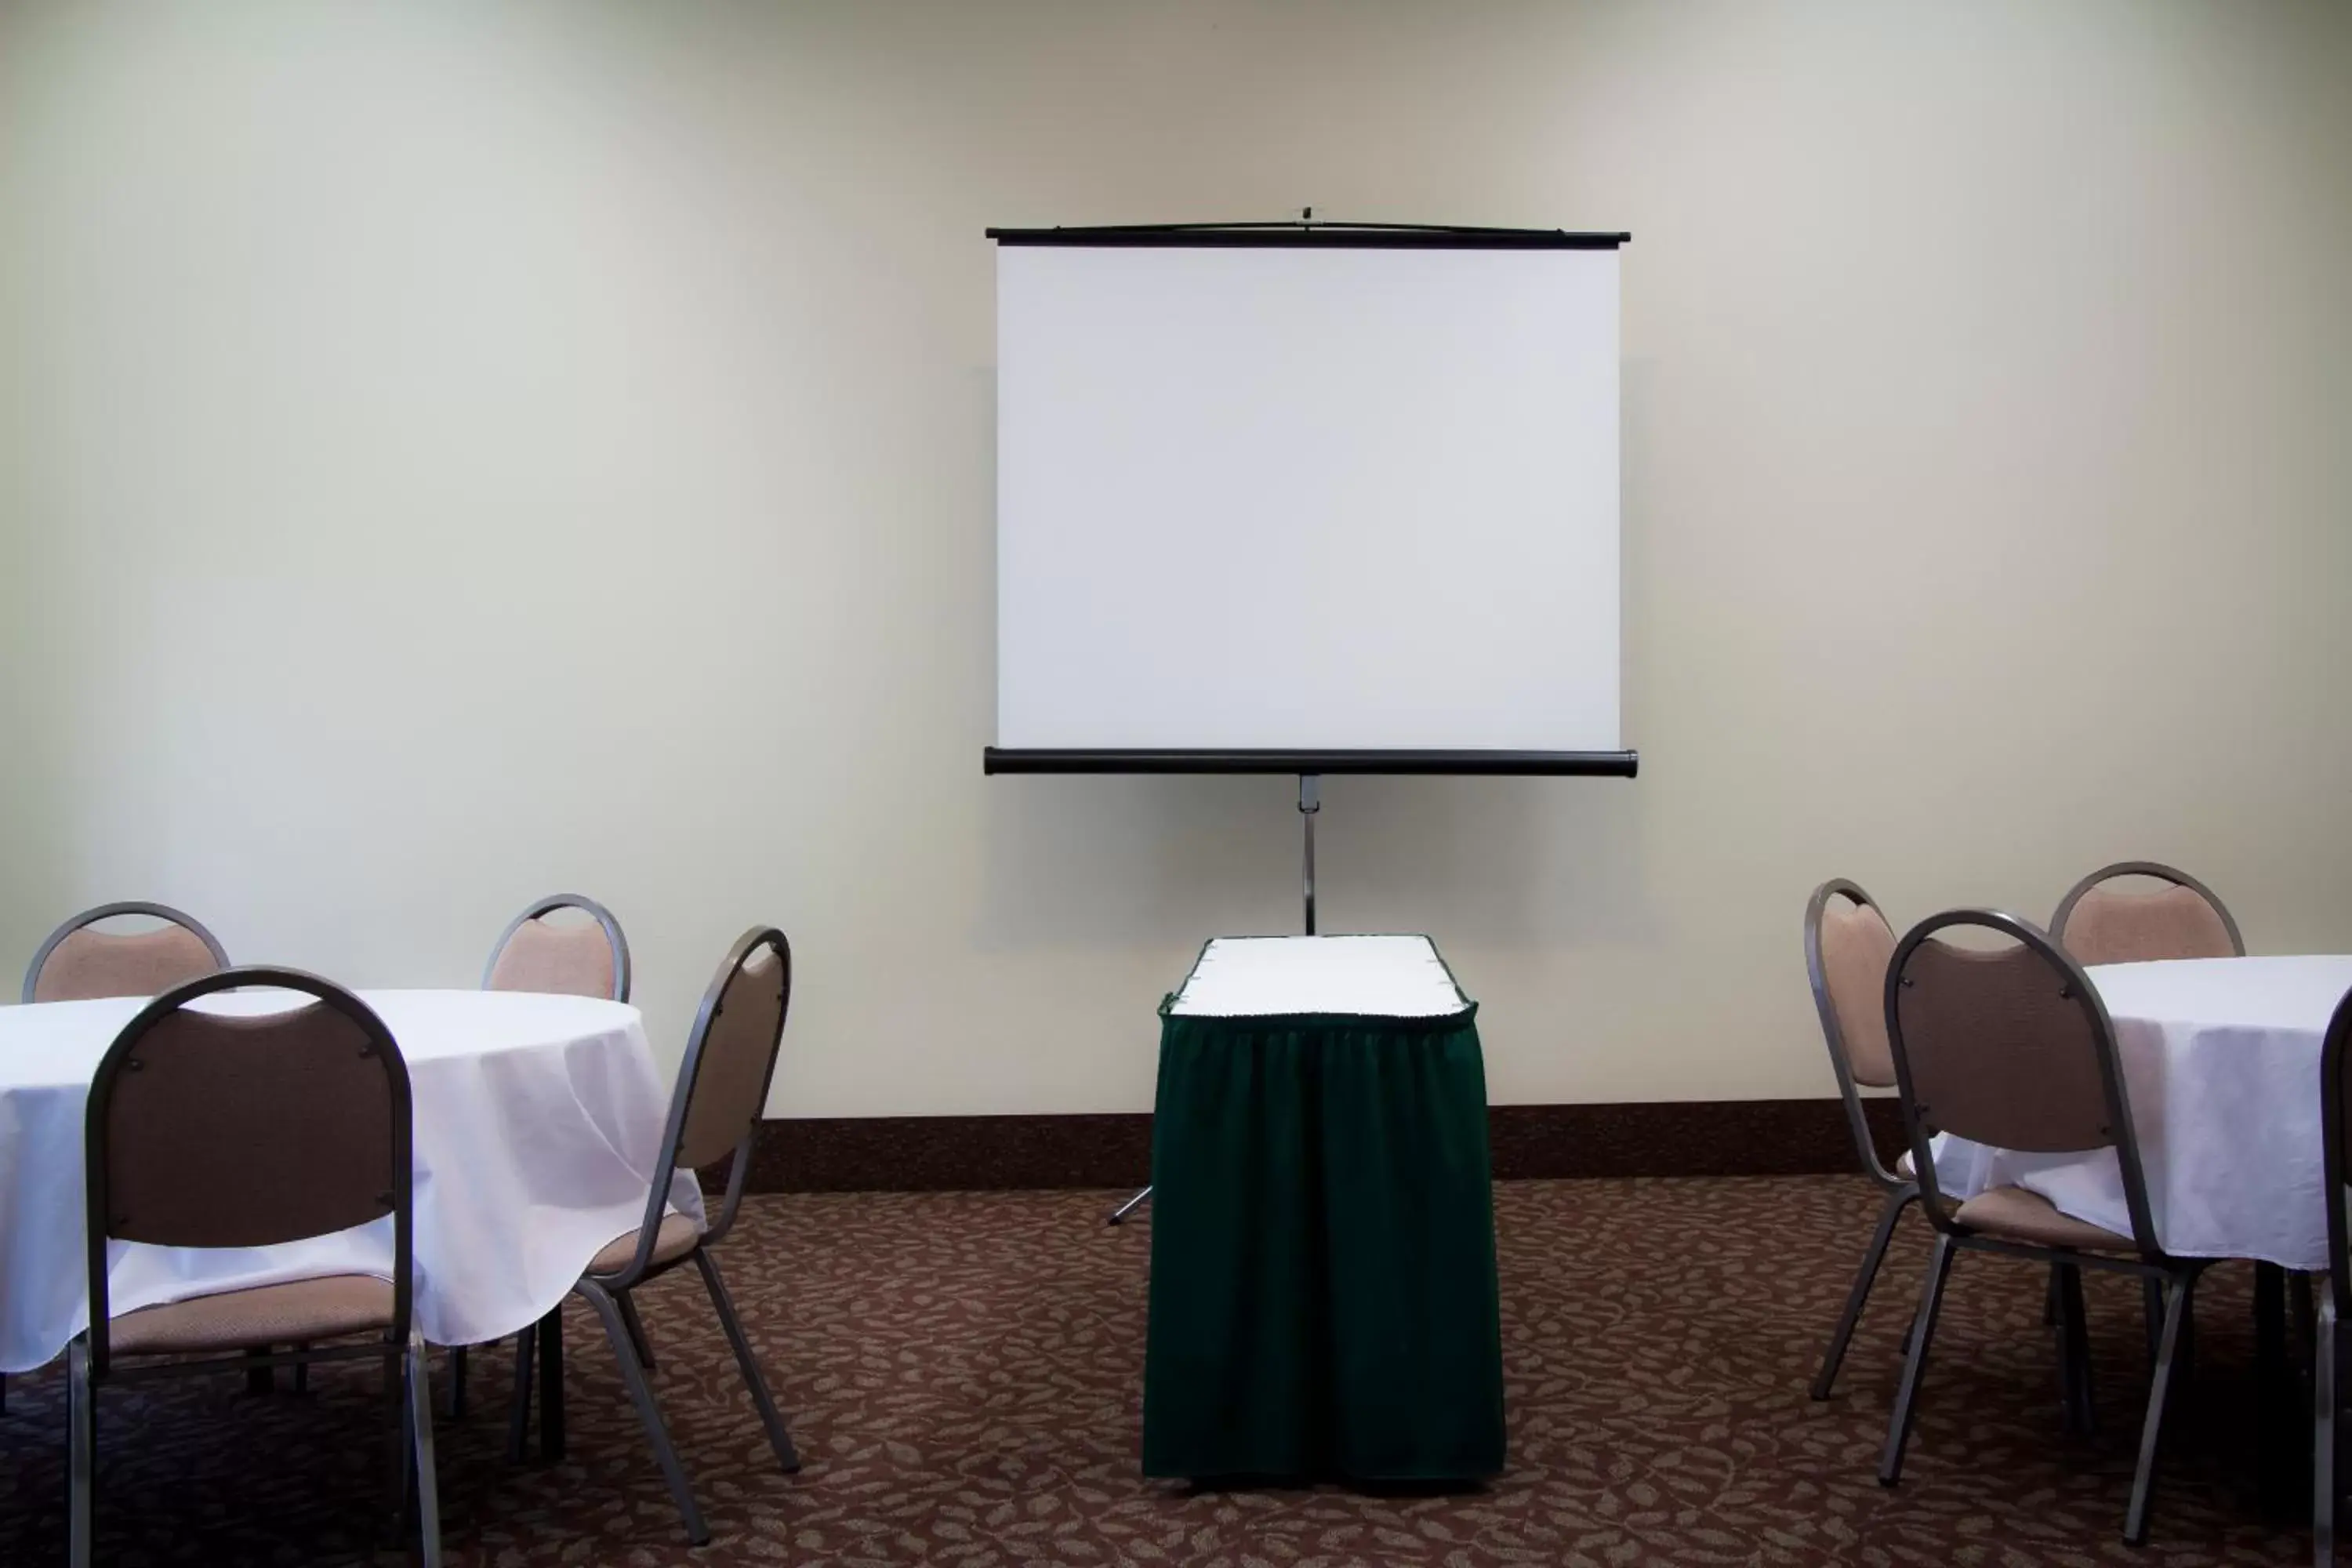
point(2013, 1214)
point(676, 1238)
point(296, 1311)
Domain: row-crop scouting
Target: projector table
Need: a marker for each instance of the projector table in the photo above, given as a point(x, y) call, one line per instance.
point(1323, 1294)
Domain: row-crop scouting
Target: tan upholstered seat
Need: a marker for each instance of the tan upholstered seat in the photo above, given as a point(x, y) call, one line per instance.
point(298, 1311)
point(2015, 1214)
point(672, 1241)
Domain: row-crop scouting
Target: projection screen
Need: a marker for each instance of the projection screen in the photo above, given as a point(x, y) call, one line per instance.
point(1307, 496)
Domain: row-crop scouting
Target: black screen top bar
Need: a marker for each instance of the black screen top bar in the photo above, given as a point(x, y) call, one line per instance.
point(1349, 235)
point(1028, 760)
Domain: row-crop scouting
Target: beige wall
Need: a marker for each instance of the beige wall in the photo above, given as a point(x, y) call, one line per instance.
point(453, 452)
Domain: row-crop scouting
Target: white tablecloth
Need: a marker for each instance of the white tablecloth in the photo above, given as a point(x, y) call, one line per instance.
point(2221, 1059)
point(1375, 977)
point(538, 1120)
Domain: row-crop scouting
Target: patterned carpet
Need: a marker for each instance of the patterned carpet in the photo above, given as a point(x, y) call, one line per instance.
point(963, 1375)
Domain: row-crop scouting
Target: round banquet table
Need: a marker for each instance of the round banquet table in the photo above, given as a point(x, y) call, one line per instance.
point(2221, 1059)
point(538, 1120)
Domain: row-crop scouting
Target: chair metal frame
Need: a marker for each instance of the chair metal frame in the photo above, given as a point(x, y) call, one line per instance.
point(609, 1294)
point(1900, 1191)
point(90, 917)
point(2332, 1342)
point(2161, 872)
point(2176, 1276)
point(549, 905)
point(89, 1361)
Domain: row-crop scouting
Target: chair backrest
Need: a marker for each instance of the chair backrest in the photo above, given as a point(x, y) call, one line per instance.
point(2007, 1045)
point(209, 1129)
point(2334, 1128)
point(2179, 917)
point(569, 958)
point(1847, 946)
point(78, 961)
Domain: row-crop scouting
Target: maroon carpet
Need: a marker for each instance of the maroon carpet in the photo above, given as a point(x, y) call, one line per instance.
point(963, 1375)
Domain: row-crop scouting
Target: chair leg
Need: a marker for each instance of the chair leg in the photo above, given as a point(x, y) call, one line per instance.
point(457, 1383)
point(81, 1455)
point(2275, 1398)
point(1129, 1207)
point(550, 1384)
point(4, 1393)
point(302, 1369)
point(1931, 1301)
point(637, 1328)
point(518, 1401)
point(642, 1395)
point(2050, 1295)
point(2324, 1375)
point(2075, 1352)
point(1875, 1254)
point(397, 1454)
point(778, 1438)
point(2159, 1395)
point(260, 1379)
point(420, 1430)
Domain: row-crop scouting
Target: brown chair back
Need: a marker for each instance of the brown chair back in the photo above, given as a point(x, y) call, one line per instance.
point(1847, 946)
point(80, 962)
point(208, 1129)
point(2008, 1045)
point(2179, 917)
point(2335, 1127)
point(566, 958)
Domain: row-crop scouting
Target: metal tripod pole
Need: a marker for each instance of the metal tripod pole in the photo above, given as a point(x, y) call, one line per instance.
point(1310, 801)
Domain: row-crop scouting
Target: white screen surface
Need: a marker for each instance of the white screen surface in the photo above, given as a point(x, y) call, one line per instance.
point(1307, 498)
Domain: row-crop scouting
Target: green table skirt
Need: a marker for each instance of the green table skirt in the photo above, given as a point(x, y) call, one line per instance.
point(1323, 1295)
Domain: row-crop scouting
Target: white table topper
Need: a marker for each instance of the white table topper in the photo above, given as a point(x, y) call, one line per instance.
point(1369, 976)
point(2221, 1059)
point(538, 1119)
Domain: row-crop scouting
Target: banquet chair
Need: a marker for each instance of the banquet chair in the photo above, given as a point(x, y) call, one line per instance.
point(573, 958)
point(721, 1091)
point(206, 1130)
point(2330, 1343)
point(2098, 922)
point(80, 962)
point(2011, 1046)
point(1847, 944)
point(566, 958)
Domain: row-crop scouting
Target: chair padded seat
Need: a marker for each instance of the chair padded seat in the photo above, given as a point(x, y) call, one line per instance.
point(298, 1311)
point(676, 1238)
point(2013, 1214)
